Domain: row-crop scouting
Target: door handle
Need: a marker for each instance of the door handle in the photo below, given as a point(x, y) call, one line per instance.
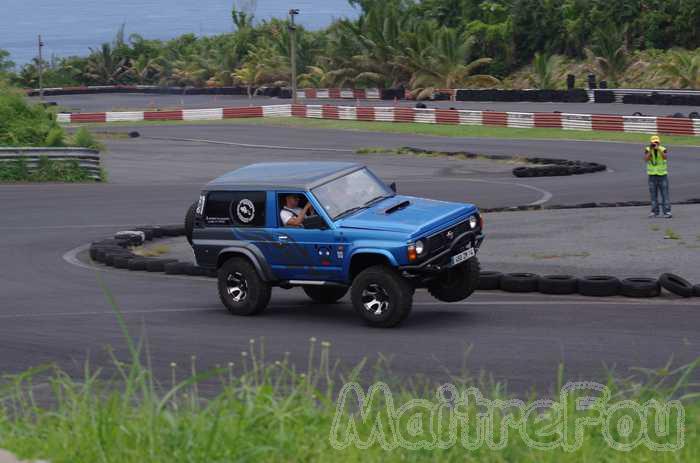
point(282, 237)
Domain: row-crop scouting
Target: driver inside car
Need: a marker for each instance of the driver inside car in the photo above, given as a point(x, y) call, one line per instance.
point(291, 214)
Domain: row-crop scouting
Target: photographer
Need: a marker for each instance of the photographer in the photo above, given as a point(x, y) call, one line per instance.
point(656, 157)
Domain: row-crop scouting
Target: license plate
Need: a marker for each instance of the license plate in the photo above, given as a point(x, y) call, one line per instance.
point(462, 256)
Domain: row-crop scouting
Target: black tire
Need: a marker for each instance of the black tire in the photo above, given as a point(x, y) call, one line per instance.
point(325, 294)
point(384, 286)
point(110, 256)
point(599, 286)
point(147, 232)
point(241, 289)
point(557, 284)
point(173, 230)
point(675, 284)
point(189, 222)
point(640, 287)
point(175, 268)
point(519, 282)
point(489, 281)
point(138, 264)
point(458, 283)
point(196, 271)
point(122, 262)
point(158, 265)
point(696, 290)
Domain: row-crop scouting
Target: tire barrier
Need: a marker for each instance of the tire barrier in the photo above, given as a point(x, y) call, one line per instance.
point(603, 96)
point(593, 286)
point(550, 167)
point(87, 159)
point(116, 252)
point(555, 120)
point(547, 96)
point(540, 207)
point(677, 285)
point(557, 284)
point(659, 98)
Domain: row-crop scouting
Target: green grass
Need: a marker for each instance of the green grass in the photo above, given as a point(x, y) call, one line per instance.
point(270, 410)
point(47, 170)
point(670, 234)
point(434, 130)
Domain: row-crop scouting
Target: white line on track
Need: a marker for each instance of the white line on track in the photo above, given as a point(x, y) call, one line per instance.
point(247, 145)
point(68, 227)
point(546, 195)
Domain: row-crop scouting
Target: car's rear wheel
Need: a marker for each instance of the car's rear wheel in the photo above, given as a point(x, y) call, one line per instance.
point(325, 294)
point(189, 222)
point(381, 296)
point(241, 289)
point(458, 283)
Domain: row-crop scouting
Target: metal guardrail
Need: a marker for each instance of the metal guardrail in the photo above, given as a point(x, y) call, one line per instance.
point(88, 159)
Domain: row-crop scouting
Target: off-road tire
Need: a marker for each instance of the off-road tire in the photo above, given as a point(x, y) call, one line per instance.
point(458, 283)
point(386, 281)
point(256, 292)
point(189, 222)
point(325, 294)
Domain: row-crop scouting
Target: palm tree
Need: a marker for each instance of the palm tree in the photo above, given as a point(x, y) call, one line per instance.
point(189, 72)
point(145, 69)
point(106, 66)
point(610, 53)
point(543, 68)
point(683, 70)
point(446, 66)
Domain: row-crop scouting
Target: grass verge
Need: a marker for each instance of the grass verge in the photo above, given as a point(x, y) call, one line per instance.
point(434, 130)
point(46, 170)
point(273, 411)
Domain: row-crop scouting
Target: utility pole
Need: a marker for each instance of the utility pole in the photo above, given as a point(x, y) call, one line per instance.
point(293, 52)
point(41, 70)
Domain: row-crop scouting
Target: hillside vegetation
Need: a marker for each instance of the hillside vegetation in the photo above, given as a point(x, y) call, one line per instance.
point(422, 45)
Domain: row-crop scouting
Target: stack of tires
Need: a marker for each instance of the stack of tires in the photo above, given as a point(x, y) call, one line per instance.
point(594, 286)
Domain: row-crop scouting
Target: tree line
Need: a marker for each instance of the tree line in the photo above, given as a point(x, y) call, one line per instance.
point(422, 45)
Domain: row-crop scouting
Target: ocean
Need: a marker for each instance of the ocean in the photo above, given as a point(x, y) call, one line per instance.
point(72, 27)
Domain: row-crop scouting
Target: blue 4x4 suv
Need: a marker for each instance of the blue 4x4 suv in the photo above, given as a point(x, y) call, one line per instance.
point(362, 237)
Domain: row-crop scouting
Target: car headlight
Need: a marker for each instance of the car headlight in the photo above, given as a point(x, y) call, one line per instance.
point(420, 247)
point(473, 222)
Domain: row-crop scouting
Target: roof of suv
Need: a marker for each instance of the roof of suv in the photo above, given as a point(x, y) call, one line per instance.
point(282, 175)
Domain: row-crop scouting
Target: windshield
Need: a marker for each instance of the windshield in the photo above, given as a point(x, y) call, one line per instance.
point(350, 193)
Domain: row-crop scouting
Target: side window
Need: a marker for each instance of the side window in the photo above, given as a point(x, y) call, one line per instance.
point(299, 200)
point(235, 209)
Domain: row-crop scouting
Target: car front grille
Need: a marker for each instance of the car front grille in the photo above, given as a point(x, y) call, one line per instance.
point(441, 240)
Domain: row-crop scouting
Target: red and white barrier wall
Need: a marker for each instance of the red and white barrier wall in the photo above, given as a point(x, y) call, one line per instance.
point(339, 93)
point(585, 122)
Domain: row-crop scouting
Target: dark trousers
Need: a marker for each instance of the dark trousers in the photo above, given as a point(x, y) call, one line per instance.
point(659, 184)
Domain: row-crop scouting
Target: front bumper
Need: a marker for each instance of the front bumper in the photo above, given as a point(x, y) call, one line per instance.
point(441, 262)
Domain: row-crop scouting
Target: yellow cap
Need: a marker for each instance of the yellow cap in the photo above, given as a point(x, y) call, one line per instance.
point(655, 139)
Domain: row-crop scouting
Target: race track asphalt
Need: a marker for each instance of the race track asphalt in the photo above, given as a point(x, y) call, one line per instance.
point(139, 102)
point(54, 311)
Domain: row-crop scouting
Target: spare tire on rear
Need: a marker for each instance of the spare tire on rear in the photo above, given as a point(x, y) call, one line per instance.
point(640, 287)
point(677, 285)
point(557, 284)
point(599, 286)
point(519, 282)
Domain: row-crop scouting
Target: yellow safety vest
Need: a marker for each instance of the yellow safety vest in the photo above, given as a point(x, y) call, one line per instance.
point(656, 165)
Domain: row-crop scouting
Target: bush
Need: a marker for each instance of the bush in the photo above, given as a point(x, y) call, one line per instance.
point(85, 139)
point(55, 138)
point(24, 124)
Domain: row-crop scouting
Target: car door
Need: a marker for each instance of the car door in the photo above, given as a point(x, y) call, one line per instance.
point(313, 254)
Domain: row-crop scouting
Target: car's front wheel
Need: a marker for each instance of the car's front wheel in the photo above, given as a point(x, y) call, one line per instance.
point(456, 284)
point(241, 289)
point(381, 296)
point(325, 294)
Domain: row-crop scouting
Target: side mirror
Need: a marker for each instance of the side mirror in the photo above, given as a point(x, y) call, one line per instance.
point(315, 222)
point(393, 186)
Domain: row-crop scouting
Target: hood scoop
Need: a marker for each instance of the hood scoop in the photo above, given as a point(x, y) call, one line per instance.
point(398, 207)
